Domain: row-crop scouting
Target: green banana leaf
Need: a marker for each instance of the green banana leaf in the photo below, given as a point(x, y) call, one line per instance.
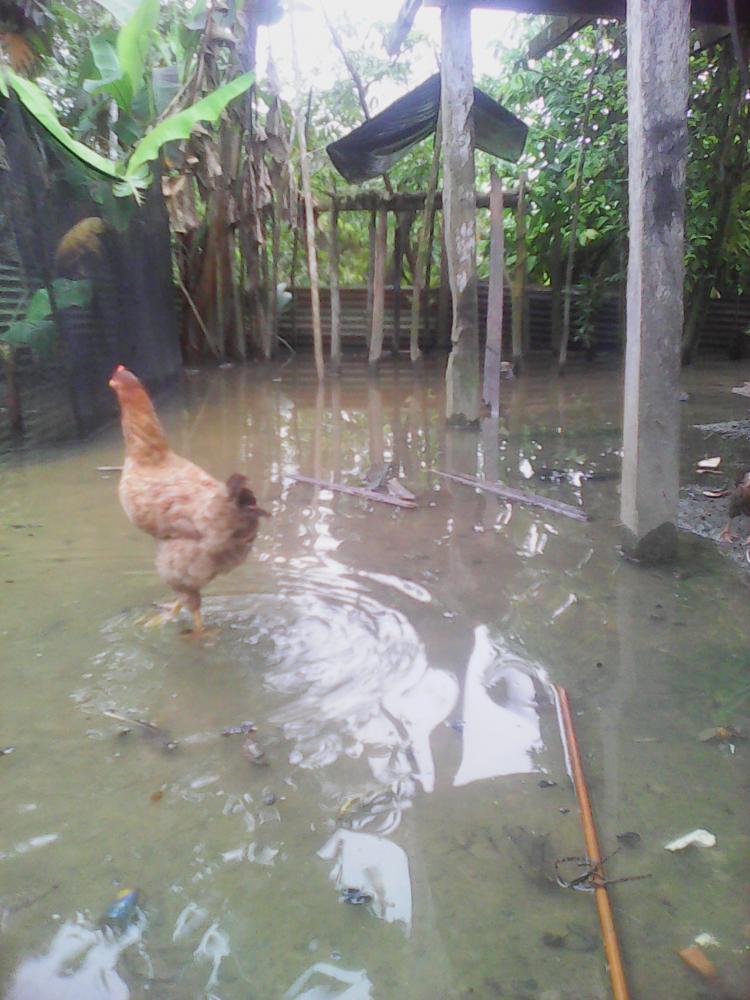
point(180, 125)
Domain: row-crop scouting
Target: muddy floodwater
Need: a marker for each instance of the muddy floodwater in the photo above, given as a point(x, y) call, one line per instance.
point(390, 828)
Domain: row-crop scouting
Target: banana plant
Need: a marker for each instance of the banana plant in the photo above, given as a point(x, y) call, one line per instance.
point(121, 60)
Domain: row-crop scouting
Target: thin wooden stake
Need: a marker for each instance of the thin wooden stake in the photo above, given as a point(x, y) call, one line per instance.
point(518, 281)
point(494, 341)
point(335, 291)
point(593, 853)
point(378, 292)
point(425, 234)
point(312, 255)
point(372, 236)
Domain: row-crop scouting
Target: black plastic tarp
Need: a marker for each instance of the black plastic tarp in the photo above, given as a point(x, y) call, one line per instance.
point(374, 147)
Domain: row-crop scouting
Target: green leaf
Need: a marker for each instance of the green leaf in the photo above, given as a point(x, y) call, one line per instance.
point(134, 41)
point(121, 10)
point(111, 77)
point(40, 107)
point(180, 125)
point(38, 307)
point(39, 335)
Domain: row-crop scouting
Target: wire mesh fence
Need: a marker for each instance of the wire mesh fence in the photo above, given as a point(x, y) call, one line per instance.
point(85, 284)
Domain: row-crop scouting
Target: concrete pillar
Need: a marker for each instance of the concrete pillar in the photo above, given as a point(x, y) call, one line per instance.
point(657, 156)
point(459, 208)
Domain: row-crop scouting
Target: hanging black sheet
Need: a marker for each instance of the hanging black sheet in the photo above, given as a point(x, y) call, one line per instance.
point(374, 147)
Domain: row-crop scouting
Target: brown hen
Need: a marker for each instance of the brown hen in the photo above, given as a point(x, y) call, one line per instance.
point(203, 527)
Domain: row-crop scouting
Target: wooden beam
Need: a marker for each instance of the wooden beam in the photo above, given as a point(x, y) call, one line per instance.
point(494, 341)
point(456, 103)
point(557, 31)
point(378, 292)
point(701, 11)
point(658, 40)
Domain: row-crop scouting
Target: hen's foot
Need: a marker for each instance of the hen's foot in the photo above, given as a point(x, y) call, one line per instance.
point(726, 534)
point(199, 630)
point(167, 613)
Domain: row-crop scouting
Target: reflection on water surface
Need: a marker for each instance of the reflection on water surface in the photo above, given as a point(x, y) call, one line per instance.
point(397, 833)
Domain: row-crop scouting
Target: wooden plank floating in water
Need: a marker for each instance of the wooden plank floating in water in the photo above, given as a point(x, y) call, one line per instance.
point(517, 496)
point(356, 491)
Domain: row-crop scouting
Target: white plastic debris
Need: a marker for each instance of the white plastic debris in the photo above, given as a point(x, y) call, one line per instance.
point(706, 940)
point(699, 838)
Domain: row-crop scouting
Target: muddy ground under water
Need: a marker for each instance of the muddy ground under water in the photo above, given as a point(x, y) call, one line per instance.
point(396, 836)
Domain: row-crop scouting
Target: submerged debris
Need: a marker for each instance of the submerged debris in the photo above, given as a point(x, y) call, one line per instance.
point(355, 896)
point(122, 909)
point(242, 730)
point(254, 753)
point(545, 783)
point(697, 838)
point(629, 839)
point(695, 959)
point(720, 734)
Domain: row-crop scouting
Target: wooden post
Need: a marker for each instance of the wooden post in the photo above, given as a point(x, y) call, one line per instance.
point(333, 269)
point(372, 231)
point(657, 155)
point(459, 207)
point(421, 270)
point(378, 287)
point(494, 342)
point(518, 281)
point(312, 254)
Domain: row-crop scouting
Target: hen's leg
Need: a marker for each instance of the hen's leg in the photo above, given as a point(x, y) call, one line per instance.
point(193, 604)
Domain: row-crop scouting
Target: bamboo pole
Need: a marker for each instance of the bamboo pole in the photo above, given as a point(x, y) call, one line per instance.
point(335, 291)
point(593, 853)
point(378, 288)
point(425, 239)
point(494, 340)
point(518, 281)
point(312, 256)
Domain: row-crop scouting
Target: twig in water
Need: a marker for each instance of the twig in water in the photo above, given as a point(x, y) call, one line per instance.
point(519, 496)
point(356, 491)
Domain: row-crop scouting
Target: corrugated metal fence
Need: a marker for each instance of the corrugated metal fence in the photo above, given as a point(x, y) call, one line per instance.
point(726, 322)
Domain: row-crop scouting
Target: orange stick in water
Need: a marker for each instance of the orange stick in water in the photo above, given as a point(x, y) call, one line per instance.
point(606, 920)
